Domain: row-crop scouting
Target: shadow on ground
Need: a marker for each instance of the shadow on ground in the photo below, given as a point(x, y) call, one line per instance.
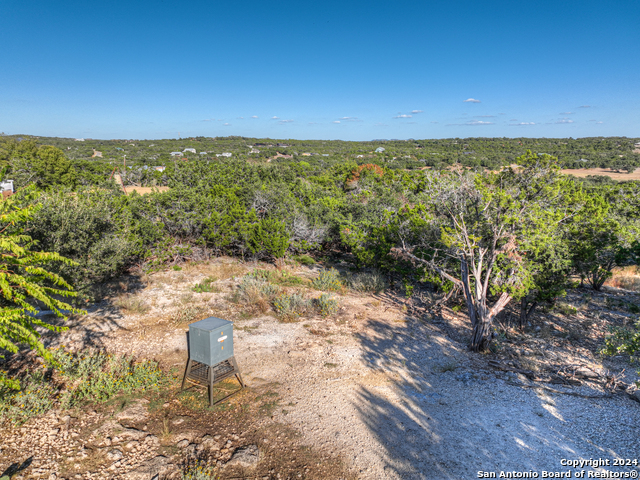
point(442, 418)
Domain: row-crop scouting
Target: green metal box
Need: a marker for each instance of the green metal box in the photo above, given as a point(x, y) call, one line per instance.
point(211, 341)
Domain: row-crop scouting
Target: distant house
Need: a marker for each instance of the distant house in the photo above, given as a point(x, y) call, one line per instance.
point(281, 145)
point(254, 150)
point(379, 150)
point(359, 156)
point(96, 153)
point(176, 154)
point(325, 154)
point(203, 153)
point(192, 150)
point(224, 154)
point(6, 188)
point(78, 139)
point(160, 168)
point(306, 154)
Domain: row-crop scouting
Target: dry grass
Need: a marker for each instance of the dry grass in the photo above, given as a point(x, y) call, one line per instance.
point(132, 304)
point(627, 278)
point(607, 172)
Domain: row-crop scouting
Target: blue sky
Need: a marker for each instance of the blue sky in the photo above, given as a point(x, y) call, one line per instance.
point(308, 70)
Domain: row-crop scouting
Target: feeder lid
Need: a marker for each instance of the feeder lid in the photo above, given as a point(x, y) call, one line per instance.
point(210, 323)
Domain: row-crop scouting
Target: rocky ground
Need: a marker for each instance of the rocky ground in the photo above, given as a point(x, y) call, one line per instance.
point(384, 389)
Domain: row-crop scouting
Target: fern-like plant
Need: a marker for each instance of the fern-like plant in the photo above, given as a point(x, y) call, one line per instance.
point(25, 283)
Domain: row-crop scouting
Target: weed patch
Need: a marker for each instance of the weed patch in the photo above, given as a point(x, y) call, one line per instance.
point(328, 281)
point(132, 304)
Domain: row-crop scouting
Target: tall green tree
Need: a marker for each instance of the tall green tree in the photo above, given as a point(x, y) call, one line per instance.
point(26, 285)
point(476, 231)
point(44, 166)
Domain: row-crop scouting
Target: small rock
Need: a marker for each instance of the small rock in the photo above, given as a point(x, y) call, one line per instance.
point(245, 457)
point(159, 466)
point(209, 443)
point(183, 443)
point(114, 454)
point(133, 414)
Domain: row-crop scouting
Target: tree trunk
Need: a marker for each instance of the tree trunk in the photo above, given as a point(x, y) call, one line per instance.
point(481, 337)
point(525, 311)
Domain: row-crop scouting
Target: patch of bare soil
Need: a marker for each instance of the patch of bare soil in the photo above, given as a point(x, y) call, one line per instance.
point(607, 172)
point(384, 389)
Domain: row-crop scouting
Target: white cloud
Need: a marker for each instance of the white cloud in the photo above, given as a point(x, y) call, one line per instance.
point(336, 121)
point(208, 120)
point(275, 118)
point(350, 119)
point(227, 124)
point(285, 121)
point(471, 123)
point(240, 118)
point(254, 116)
point(404, 115)
point(471, 100)
point(521, 124)
point(564, 120)
point(584, 106)
point(565, 113)
point(416, 111)
point(599, 122)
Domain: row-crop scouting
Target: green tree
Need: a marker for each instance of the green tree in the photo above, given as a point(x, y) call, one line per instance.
point(25, 285)
point(476, 231)
point(45, 166)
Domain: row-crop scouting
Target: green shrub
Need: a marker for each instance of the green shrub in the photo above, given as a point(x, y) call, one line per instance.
point(367, 282)
point(256, 293)
point(205, 286)
point(86, 377)
point(326, 305)
point(97, 377)
point(304, 259)
point(328, 280)
point(269, 237)
point(36, 397)
point(199, 470)
point(291, 306)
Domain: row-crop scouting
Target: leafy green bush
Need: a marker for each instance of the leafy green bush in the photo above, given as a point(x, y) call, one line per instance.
point(367, 282)
point(270, 238)
point(326, 305)
point(290, 306)
point(625, 340)
point(85, 377)
point(205, 286)
point(304, 259)
point(84, 226)
point(35, 398)
point(328, 280)
point(199, 470)
point(98, 376)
